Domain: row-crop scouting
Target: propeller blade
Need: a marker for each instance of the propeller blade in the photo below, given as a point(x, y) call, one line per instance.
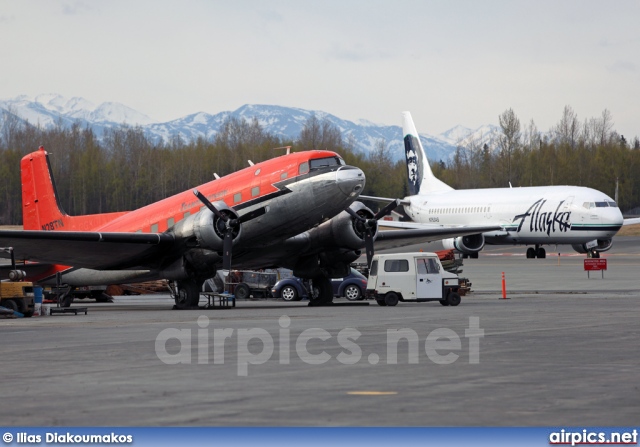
point(354, 214)
point(227, 246)
point(387, 209)
point(368, 242)
point(209, 205)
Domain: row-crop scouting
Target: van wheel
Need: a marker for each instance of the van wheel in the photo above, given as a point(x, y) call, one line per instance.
point(453, 299)
point(381, 302)
point(391, 299)
point(444, 302)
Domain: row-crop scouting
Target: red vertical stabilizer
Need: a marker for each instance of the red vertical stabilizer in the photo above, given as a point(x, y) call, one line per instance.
point(40, 207)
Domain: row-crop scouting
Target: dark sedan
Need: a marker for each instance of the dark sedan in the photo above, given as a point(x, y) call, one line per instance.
point(351, 287)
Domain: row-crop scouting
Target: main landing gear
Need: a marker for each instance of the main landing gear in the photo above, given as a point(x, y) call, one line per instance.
point(537, 252)
point(321, 291)
point(186, 294)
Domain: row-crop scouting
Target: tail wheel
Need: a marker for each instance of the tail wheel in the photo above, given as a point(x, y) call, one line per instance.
point(66, 299)
point(391, 299)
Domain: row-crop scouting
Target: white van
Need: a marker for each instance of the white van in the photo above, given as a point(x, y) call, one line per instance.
point(411, 277)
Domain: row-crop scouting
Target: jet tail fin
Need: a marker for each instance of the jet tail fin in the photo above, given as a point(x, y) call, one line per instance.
point(421, 178)
point(41, 209)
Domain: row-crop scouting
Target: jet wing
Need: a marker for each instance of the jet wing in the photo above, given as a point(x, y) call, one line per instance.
point(632, 221)
point(400, 238)
point(102, 251)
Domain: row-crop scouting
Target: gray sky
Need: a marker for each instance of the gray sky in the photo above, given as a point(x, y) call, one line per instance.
point(448, 62)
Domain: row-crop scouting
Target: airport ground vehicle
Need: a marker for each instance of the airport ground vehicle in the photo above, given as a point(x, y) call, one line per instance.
point(351, 287)
point(415, 276)
point(244, 283)
point(17, 296)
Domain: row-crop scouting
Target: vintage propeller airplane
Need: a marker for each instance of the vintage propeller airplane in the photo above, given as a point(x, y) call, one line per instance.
point(297, 211)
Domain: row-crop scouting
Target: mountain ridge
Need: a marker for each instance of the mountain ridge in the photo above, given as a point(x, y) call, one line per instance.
point(48, 110)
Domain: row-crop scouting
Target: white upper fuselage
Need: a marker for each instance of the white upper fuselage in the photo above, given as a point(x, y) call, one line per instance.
point(529, 215)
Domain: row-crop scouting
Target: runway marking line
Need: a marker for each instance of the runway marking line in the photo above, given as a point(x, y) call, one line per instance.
point(372, 393)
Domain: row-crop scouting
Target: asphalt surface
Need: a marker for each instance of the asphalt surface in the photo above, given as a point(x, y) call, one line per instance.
point(562, 350)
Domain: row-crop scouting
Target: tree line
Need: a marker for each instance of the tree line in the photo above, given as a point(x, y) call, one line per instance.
point(127, 169)
point(588, 153)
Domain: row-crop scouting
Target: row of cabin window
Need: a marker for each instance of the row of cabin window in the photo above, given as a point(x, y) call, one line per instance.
point(237, 198)
point(303, 168)
point(468, 209)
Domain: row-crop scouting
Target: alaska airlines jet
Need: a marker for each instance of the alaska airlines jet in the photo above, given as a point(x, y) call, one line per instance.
point(541, 215)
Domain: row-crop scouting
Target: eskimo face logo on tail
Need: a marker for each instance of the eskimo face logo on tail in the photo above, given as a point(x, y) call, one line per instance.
point(545, 222)
point(414, 163)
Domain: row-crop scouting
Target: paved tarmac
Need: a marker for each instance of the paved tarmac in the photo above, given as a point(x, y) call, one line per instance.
point(563, 350)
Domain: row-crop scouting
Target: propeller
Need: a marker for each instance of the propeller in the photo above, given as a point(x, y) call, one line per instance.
point(367, 226)
point(231, 225)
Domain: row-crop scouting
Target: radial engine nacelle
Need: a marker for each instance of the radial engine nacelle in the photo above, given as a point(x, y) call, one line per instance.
point(465, 244)
point(601, 245)
point(207, 228)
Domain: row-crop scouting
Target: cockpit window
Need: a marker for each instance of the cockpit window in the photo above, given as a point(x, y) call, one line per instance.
point(612, 204)
point(601, 204)
point(324, 162)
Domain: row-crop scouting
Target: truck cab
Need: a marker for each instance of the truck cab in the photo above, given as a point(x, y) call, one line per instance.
point(415, 277)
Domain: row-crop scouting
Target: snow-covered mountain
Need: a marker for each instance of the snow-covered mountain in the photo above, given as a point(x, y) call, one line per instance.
point(286, 122)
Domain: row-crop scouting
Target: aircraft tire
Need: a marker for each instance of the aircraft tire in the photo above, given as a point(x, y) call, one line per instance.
point(188, 295)
point(321, 291)
point(541, 253)
point(66, 300)
point(531, 253)
point(391, 299)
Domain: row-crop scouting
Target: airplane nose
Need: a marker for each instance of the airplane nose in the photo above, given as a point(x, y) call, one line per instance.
point(350, 180)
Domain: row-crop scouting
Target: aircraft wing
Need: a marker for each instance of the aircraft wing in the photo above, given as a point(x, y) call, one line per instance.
point(633, 221)
point(103, 251)
point(399, 238)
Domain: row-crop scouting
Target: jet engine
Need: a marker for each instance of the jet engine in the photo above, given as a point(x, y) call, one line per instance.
point(206, 228)
point(465, 244)
point(602, 245)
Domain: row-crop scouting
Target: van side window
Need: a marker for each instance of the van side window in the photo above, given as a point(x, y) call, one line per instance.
point(421, 266)
point(396, 265)
point(303, 168)
point(432, 266)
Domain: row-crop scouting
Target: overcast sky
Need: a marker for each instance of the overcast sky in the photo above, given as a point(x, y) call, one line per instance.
point(448, 62)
